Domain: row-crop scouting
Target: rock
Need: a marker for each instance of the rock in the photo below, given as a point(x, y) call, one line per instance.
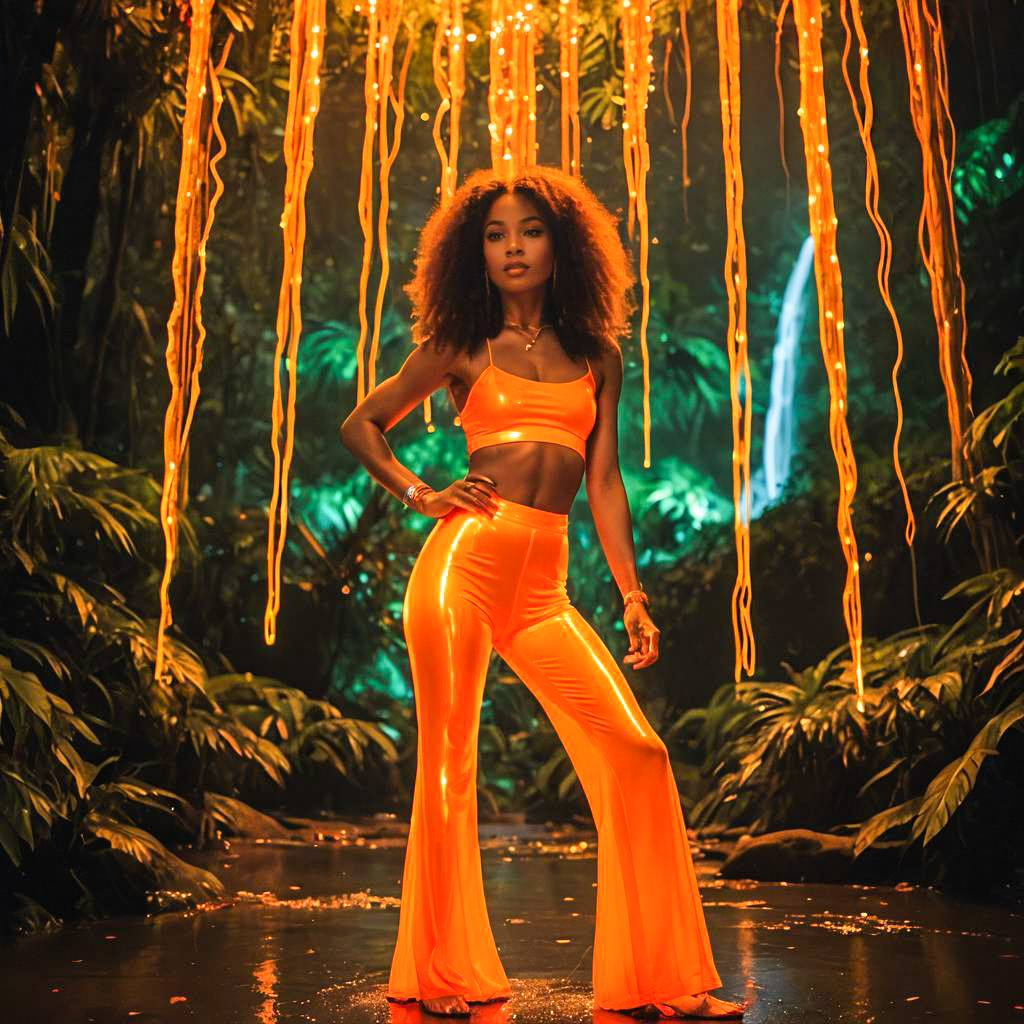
point(713, 849)
point(800, 855)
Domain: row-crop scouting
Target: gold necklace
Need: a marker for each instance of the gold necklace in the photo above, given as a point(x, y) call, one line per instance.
point(526, 330)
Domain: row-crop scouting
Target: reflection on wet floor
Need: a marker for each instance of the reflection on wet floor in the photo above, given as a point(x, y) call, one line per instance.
point(308, 934)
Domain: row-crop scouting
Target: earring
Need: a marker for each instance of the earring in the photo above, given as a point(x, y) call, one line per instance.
point(554, 275)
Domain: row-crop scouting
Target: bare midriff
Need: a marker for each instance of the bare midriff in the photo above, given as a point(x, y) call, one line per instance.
point(539, 473)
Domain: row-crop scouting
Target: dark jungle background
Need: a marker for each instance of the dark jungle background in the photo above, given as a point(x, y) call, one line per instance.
point(104, 769)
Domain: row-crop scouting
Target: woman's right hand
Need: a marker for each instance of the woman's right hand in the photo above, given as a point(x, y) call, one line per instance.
point(474, 492)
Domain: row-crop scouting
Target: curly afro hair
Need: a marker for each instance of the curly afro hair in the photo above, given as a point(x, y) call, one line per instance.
point(590, 302)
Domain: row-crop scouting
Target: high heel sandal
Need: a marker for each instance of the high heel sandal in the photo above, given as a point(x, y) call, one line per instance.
point(655, 1011)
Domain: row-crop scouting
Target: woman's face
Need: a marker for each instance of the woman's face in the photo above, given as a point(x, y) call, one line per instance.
point(515, 232)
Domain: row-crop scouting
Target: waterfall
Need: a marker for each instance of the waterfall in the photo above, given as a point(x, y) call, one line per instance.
point(770, 479)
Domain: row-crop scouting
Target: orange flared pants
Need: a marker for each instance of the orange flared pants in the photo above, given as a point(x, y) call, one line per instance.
point(481, 583)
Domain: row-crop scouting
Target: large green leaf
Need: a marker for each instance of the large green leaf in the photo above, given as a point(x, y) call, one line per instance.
point(948, 790)
point(26, 688)
point(877, 825)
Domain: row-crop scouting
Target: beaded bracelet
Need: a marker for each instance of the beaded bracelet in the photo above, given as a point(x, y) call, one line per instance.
point(636, 595)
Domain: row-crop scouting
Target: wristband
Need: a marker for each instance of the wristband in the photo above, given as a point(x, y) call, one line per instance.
point(635, 595)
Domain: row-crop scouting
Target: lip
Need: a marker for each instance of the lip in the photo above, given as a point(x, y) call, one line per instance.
point(512, 267)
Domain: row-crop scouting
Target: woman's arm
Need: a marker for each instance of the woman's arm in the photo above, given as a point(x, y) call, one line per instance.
point(362, 432)
point(610, 508)
point(605, 489)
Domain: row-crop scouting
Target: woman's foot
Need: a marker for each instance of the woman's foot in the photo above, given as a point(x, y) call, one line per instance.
point(446, 1006)
point(702, 1006)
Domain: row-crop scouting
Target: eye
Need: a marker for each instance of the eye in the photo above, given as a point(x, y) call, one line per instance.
point(540, 231)
point(491, 235)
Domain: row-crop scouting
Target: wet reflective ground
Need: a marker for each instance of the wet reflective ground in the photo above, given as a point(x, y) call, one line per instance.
point(308, 938)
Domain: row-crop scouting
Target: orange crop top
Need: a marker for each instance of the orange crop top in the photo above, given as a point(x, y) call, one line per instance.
point(503, 407)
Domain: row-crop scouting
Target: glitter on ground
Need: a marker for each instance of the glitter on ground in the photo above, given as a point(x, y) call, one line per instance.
point(307, 937)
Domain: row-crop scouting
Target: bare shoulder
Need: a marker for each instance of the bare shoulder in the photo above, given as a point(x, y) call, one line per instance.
point(610, 363)
point(435, 356)
point(425, 369)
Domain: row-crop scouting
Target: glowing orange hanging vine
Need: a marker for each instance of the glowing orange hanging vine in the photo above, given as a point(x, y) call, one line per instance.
point(823, 225)
point(847, 9)
point(193, 219)
point(736, 336)
point(635, 20)
point(450, 82)
point(569, 75)
point(451, 86)
point(925, 53)
point(307, 44)
point(512, 89)
point(382, 30)
point(388, 150)
point(364, 204)
point(685, 36)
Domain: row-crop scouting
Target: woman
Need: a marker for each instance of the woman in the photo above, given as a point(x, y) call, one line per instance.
point(520, 292)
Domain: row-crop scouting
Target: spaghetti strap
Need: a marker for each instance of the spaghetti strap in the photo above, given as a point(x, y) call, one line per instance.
point(490, 355)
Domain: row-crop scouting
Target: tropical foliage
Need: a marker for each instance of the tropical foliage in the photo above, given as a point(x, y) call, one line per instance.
point(937, 751)
point(97, 758)
point(103, 769)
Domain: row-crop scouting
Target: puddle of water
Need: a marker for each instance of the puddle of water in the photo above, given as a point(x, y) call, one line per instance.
point(308, 934)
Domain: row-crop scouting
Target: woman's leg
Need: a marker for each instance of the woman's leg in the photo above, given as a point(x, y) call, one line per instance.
point(651, 941)
point(445, 945)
